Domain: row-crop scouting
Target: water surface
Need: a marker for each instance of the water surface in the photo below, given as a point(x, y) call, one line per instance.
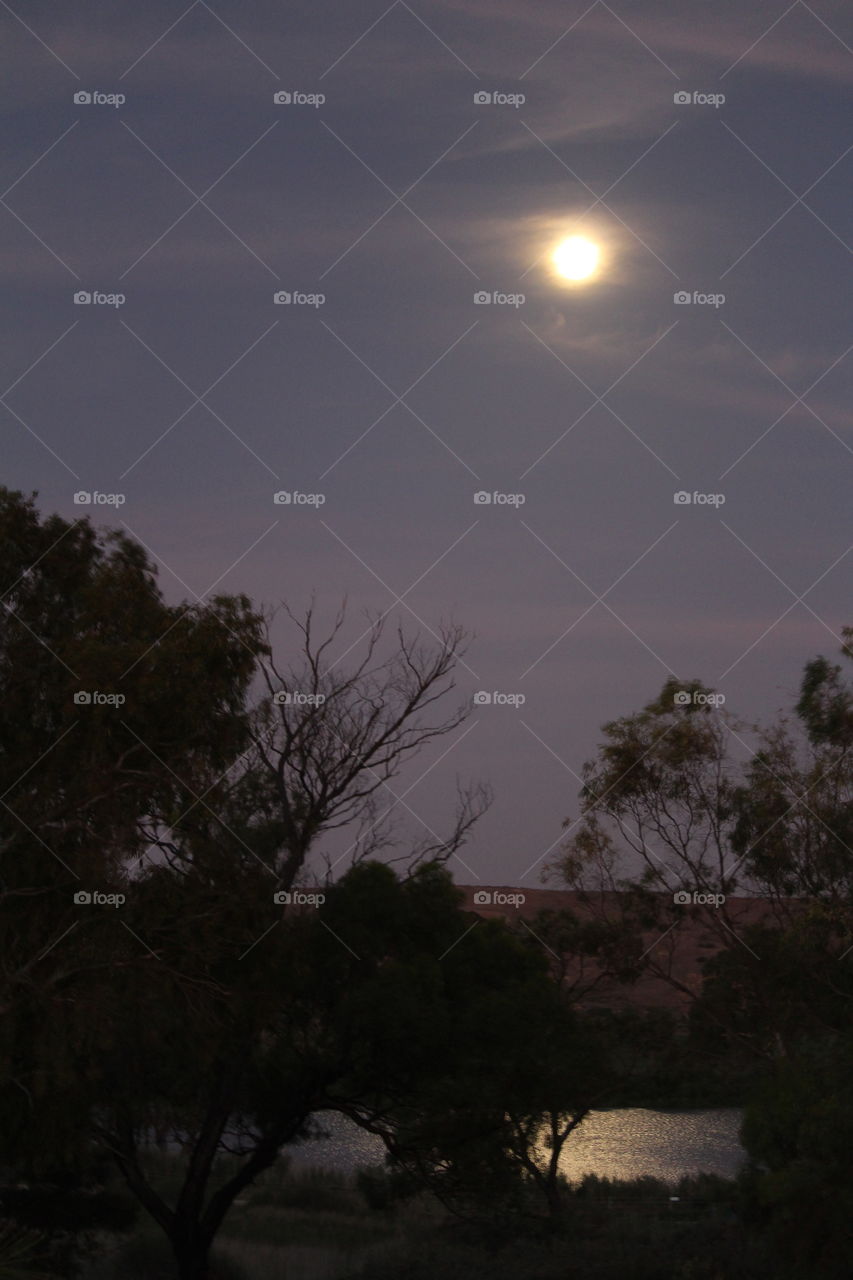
point(628, 1143)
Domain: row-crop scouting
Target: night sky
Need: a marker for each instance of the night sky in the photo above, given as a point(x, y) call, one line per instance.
point(381, 199)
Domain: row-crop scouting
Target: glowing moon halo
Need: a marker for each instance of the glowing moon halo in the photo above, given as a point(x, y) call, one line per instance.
point(576, 258)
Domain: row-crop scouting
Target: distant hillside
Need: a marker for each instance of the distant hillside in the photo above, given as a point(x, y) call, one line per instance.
point(684, 948)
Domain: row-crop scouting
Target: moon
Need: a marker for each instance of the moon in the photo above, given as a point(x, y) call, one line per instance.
point(576, 258)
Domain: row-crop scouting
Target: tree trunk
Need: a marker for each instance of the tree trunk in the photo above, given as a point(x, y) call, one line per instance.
point(555, 1202)
point(191, 1252)
point(554, 1193)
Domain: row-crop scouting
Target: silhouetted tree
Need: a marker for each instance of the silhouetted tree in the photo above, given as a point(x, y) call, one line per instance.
point(666, 790)
point(111, 701)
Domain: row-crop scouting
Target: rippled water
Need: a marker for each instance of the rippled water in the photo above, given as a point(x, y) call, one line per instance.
point(663, 1144)
point(613, 1144)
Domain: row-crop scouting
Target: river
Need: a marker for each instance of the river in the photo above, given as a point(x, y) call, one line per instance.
point(623, 1144)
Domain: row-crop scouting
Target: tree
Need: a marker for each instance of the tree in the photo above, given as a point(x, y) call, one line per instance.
point(245, 1020)
point(667, 813)
point(386, 1003)
point(798, 1129)
point(93, 741)
point(666, 789)
point(487, 1086)
point(133, 764)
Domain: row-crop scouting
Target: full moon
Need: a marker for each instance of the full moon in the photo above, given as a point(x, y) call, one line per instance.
point(576, 258)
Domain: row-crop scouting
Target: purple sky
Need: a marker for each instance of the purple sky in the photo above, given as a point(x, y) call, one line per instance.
point(588, 595)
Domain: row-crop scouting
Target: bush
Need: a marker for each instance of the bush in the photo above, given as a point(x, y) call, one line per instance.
point(313, 1189)
point(148, 1257)
point(382, 1188)
point(20, 1252)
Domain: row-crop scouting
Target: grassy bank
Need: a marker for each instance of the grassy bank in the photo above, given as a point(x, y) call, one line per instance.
point(319, 1225)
